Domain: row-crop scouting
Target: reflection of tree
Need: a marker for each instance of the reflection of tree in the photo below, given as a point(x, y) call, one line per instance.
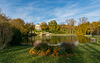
point(53, 39)
point(56, 40)
point(82, 39)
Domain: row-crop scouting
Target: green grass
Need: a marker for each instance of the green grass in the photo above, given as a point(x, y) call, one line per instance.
point(87, 53)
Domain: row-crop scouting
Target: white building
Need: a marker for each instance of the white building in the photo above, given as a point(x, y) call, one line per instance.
point(38, 27)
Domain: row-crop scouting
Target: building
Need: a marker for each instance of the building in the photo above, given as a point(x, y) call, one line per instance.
point(38, 27)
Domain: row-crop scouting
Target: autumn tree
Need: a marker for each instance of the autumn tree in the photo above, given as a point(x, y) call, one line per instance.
point(6, 32)
point(29, 26)
point(71, 23)
point(82, 27)
point(63, 27)
point(97, 28)
point(53, 26)
point(18, 23)
point(91, 29)
point(44, 26)
point(3, 17)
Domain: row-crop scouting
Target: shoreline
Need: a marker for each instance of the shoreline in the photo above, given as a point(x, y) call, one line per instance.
point(90, 36)
point(63, 35)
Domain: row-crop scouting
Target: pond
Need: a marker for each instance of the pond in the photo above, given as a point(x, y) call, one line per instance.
point(55, 39)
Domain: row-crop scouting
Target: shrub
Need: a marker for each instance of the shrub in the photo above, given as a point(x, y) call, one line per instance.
point(48, 52)
point(68, 47)
point(41, 46)
point(44, 49)
point(56, 51)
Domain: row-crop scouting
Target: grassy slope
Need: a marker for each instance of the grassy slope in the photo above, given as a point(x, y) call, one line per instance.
point(87, 53)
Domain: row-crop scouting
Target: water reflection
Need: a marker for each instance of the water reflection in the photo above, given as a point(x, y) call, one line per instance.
point(82, 39)
point(56, 39)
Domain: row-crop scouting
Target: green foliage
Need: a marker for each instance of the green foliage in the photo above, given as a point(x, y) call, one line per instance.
point(10, 31)
point(53, 26)
point(29, 27)
point(17, 37)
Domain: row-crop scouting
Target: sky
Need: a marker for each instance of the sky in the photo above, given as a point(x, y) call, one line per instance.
point(38, 11)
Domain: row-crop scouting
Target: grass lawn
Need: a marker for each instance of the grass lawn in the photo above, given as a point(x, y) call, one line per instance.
point(87, 53)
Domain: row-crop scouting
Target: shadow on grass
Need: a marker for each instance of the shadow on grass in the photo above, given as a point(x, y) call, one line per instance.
point(86, 49)
point(95, 44)
point(15, 54)
point(15, 49)
point(91, 53)
point(77, 58)
point(92, 48)
point(31, 59)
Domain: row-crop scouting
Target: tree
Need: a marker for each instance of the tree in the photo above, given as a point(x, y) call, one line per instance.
point(44, 26)
point(63, 27)
point(83, 25)
point(53, 26)
point(3, 17)
point(71, 23)
point(18, 23)
point(29, 26)
point(90, 29)
point(97, 28)
point(6, 34)
point(83, 20)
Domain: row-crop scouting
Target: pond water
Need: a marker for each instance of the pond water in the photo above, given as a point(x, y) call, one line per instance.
point(55, 39)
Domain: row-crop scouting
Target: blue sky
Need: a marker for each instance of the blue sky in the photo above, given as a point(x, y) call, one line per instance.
point(38, 11)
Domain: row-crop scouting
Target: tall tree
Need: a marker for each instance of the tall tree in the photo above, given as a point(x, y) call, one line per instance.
point(83, 20)
point(71, 23)
point(6, 32)
point(83, 25)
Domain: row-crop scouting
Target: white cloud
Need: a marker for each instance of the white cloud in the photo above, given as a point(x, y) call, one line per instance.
point(74, 11)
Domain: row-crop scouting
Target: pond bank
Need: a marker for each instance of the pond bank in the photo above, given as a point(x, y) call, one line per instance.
point(63, 35)
point(90, 36)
